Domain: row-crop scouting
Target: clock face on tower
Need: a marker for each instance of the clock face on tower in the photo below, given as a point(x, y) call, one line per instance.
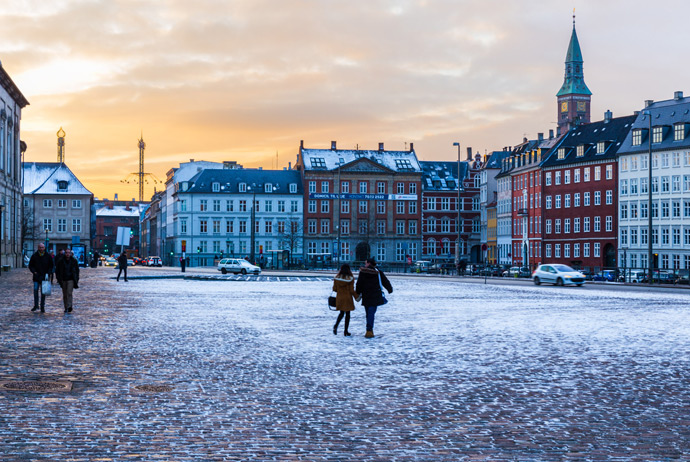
point(564, 106)
point(581, 106)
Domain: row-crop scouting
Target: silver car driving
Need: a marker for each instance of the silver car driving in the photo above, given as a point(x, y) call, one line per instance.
point(560, 275)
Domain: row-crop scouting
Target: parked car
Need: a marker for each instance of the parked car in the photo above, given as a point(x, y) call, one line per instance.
point(606, 276)
point(154, 261)
point(109, 261)
point(683, 276)
point(421, 266)
point(637, 276)
point(515, 271)
point(237, 266)
point(139, 261)
point(559, 275)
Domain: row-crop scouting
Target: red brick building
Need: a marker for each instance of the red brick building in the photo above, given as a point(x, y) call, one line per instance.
point(580, 195)
point(360, 203)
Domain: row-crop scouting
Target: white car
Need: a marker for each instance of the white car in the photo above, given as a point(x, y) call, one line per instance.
point(237, 265)
point(154, 261)
point(557, 274)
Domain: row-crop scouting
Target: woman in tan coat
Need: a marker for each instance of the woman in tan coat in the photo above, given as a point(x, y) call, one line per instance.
point(344, 286)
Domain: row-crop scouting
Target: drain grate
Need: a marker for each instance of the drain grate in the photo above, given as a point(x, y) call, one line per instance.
point(154, 388)
point(40, 386)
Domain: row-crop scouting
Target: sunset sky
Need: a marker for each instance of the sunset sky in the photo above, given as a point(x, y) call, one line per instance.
point(246, 79)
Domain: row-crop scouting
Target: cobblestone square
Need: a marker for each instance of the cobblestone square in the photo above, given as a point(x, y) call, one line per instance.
point(182, 370)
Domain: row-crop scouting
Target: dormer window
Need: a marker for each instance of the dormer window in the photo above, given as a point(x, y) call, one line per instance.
point(678, 132)
point(243, 187)
point(561, 153)
point(268, 187)
point(403, 164)
point(657, 134)
point(215, 187)
point(601, 147)
point(293, 188)
point(62, 185)
point(637, 137)
point(580, 150)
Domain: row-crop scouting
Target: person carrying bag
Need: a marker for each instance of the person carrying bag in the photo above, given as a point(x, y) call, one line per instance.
point(370, 283)
point(344, 287)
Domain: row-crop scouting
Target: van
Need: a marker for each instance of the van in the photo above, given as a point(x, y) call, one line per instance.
point(421, 266)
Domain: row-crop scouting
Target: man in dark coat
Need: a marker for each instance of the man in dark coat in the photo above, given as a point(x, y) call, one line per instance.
point(68, 277)
point(122, 263)
point(369, 282)
point(40, 265)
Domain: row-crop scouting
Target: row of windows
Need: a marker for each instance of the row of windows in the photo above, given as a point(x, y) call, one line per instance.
point(663, 159)
point(62, 225)
point(667, 261)
point(216, 205)
point(670, 235)
point(230, 248)
point(525, 181)
point(596, 247)
point(324, 227)
point(576, 175)
point(244, 187)
point(403, 250)
point(576, 200)
point(216, 226)
point(585, 228)
point(61, 203)
point(524, 226)
point(659, 133)
point(362, 206)
point(639, 210)
point(447, 203)
point(363, 187)
point(521, 201)
point(664, 184)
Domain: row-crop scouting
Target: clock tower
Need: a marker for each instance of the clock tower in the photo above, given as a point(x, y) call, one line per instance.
point(574, 97)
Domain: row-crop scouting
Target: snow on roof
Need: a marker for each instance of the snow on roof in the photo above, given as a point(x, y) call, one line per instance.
point(329, 159)
point(51, 178)
point(117, 211)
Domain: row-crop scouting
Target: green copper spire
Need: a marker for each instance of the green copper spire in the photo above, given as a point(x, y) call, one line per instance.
point(574, 81)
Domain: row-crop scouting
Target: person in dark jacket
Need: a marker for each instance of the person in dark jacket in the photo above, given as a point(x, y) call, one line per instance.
point(344, 287)
point(369, 282)
point(67, 274)
point(40, 265)
point(122, 263)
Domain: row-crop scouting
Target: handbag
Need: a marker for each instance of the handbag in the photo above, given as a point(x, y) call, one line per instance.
point(383, 293)
point(331, 302)
point(46, 287)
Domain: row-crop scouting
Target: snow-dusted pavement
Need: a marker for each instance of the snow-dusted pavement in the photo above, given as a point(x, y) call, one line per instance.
point(458, 371)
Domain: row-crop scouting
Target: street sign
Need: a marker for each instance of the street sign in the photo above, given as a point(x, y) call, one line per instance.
point(123, 236)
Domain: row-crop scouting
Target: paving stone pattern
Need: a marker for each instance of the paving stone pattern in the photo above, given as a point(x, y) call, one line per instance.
point(184, 370)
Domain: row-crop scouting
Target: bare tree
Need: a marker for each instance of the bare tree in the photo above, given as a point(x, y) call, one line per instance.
point(31, 231)
point(291, 234)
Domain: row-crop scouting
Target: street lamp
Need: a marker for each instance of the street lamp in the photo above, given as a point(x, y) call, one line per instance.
point(337, 214)
point(457, 247)
point(648, 114)
point(252, 244)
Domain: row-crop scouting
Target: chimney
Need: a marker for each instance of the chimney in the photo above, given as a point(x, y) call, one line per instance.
point(648, 102)
point(115, 196)
point(540, 136)
point(332, 145)
point(411, 147)
point(289, 165)
point(636, 113)
point(301, 144)
point(469, 153)
point(678, 95)
point(608, 115)
point(261, 168)
point(524, 139)
point(380, 146)
point(551, 134)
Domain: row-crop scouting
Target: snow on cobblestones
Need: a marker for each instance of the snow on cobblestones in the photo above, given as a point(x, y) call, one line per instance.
point(457, 371)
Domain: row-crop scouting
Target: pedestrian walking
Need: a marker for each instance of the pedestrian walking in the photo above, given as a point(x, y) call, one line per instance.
point(122, 265)
point(344, 287)
point(370, 284)
point(40, 265)
point(67, 274)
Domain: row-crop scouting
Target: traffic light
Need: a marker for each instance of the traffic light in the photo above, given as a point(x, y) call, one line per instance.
point(171, 253)
point(198, 250)
point(655, 261)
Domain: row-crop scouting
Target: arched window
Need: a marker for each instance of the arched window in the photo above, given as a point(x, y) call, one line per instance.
point(431, 246)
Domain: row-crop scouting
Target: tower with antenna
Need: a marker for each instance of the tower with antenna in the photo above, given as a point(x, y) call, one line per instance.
point(61, 146)
point(141, 177)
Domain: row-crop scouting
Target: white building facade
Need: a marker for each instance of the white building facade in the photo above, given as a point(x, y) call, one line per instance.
point(670, 186)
